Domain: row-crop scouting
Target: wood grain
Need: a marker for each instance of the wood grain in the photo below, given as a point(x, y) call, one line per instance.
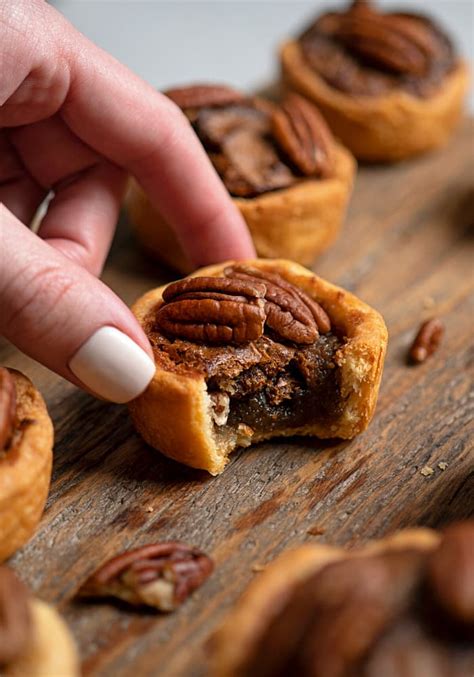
point(407, 249)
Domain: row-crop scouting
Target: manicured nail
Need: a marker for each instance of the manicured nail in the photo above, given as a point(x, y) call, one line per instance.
point(112, 365)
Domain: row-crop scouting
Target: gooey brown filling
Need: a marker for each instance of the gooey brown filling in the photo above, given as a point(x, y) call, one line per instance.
point(362, 51)
point(265, 384)
point(255, 146)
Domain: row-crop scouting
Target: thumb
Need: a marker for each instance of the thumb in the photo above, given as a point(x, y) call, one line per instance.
point(62, 316)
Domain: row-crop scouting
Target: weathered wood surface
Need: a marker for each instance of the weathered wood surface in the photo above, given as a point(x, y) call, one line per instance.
point(407, 249)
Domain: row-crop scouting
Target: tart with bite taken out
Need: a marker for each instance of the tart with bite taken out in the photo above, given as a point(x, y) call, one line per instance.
point(402, 606)
point(389, 84)
point(26, 455)
point(283, 169)
point(249, 351)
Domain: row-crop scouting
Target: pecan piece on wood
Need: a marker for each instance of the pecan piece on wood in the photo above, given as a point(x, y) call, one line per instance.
point(213, 310)
point(7, 407)
point(200, 96)
point(304, 136)
point(15, 621)
point(161, 575)
point(291, 313)
point(427, 340)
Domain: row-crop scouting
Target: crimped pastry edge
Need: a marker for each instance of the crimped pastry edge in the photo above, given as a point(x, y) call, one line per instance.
point(384, 128)
point(173, 415)
point(25, 472)
point(229, 644)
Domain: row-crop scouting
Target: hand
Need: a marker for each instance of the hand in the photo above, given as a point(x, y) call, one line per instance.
point(74, 120)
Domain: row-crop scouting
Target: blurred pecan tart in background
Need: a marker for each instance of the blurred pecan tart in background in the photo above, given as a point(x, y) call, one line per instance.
point(400, 607)
point(34, 640)
point(280, 163)
point(389, 84)
point(249, 351)
point(26, 454)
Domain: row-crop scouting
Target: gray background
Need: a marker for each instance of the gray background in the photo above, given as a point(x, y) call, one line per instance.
point(235, 42)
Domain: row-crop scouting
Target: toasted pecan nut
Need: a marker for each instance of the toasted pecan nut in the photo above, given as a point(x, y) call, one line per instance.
point(303, 134)
point(200, 96)
point(162, 575)
point(451, 572)
point(7, 407)
point(215, 310)
point(15, 621)
point(427, 340)
point(291, 313)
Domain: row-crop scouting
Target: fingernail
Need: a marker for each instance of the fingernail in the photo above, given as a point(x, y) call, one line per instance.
point(112, 365)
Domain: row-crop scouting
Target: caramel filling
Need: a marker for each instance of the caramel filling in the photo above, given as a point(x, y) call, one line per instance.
point(255, 146)
point(265, 348)
point(365, 52)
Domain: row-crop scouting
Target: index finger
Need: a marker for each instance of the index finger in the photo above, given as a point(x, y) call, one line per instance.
point(139, 129)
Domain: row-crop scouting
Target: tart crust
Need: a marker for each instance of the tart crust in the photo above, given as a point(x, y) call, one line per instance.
point(230, 647)
point(25, 470)
point(173, 414)
point(384, 128)
point(52, 650)
point(299, 222)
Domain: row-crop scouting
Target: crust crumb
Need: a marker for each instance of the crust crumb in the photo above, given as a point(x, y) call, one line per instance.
point(442, 465)
point(427, 470)
point(316, 531)
point(257, 568)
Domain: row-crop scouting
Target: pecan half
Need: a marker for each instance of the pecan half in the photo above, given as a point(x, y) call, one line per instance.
point(213, 310)
point(396, 42)
point(162, 575)
point(200, 96)
point(304, 136)
point(291, 313)
point(451, 572)
point(15, 621)
point(427, 340)
point(7, 407)
point(214, 125)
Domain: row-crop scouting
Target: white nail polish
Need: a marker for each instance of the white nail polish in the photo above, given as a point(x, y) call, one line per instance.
point(112, 365)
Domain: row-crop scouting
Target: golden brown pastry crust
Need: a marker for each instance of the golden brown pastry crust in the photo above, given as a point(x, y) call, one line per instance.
point(25, 470)
point(230, 647)
point(173, 414)
point(380, 128)
point(298, 222)
point(51, 652)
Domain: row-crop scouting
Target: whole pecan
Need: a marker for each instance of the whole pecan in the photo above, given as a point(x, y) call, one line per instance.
point(291, 313)
point(399, 43)
point(451, 572)
point(303, 134)
point(200, 96)
point(427, 340)
point(162, 575)
point(7, 407)
point(213, 310)
point(15, 621)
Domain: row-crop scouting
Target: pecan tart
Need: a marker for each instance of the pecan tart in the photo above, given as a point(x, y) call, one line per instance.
point(26, 443)
point(402, 606)
point(249, 351)
point(390, 85)
point(280, 163)
point(34, 640)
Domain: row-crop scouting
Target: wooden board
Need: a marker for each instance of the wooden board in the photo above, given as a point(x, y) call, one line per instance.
point(406, 249)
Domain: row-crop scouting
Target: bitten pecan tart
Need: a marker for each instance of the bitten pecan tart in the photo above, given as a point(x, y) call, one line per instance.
point(248, 351)
point(400, 607)
point(280, 163)
point(389, 84)
point(34, 640)
point(26, 443)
